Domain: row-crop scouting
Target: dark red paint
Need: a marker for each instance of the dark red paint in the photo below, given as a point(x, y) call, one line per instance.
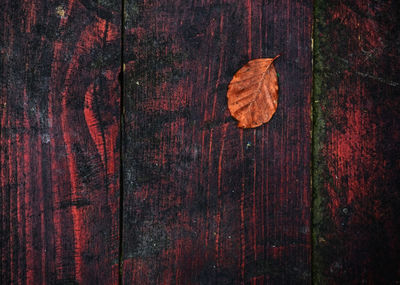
point(206, 202)
point(203, 201)
point(59, 142)
point(357, 162)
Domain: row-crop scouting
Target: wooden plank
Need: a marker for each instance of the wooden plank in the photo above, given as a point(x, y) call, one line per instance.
point(206, 202)
point(356, 142)
point(59, 141)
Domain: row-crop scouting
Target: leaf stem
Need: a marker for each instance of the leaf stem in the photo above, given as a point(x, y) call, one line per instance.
point(276, 57)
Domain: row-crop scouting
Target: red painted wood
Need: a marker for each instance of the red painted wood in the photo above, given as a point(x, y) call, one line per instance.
point(59, 141)
point(206, 202)
point(357, 142)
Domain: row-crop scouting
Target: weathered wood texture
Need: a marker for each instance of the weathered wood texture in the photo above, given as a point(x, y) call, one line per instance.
point(59, 111)
point(356, 142)
point(206, 202)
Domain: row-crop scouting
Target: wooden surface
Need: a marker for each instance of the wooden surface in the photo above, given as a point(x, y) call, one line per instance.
point(356, 142)
point(197, 200)
point(205, 202)
point(59, 111)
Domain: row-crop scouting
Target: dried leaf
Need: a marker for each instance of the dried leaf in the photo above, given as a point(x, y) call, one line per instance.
point(253, 93)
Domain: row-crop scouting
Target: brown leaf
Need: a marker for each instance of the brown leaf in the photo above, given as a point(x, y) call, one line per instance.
point(253, 93)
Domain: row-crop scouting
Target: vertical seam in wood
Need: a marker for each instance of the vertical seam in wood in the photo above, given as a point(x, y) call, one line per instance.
point(313, 22)
point(121, 145)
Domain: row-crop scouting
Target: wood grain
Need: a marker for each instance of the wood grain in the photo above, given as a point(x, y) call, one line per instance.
point(59, 112)
point(204, 201)
point(356, 142)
